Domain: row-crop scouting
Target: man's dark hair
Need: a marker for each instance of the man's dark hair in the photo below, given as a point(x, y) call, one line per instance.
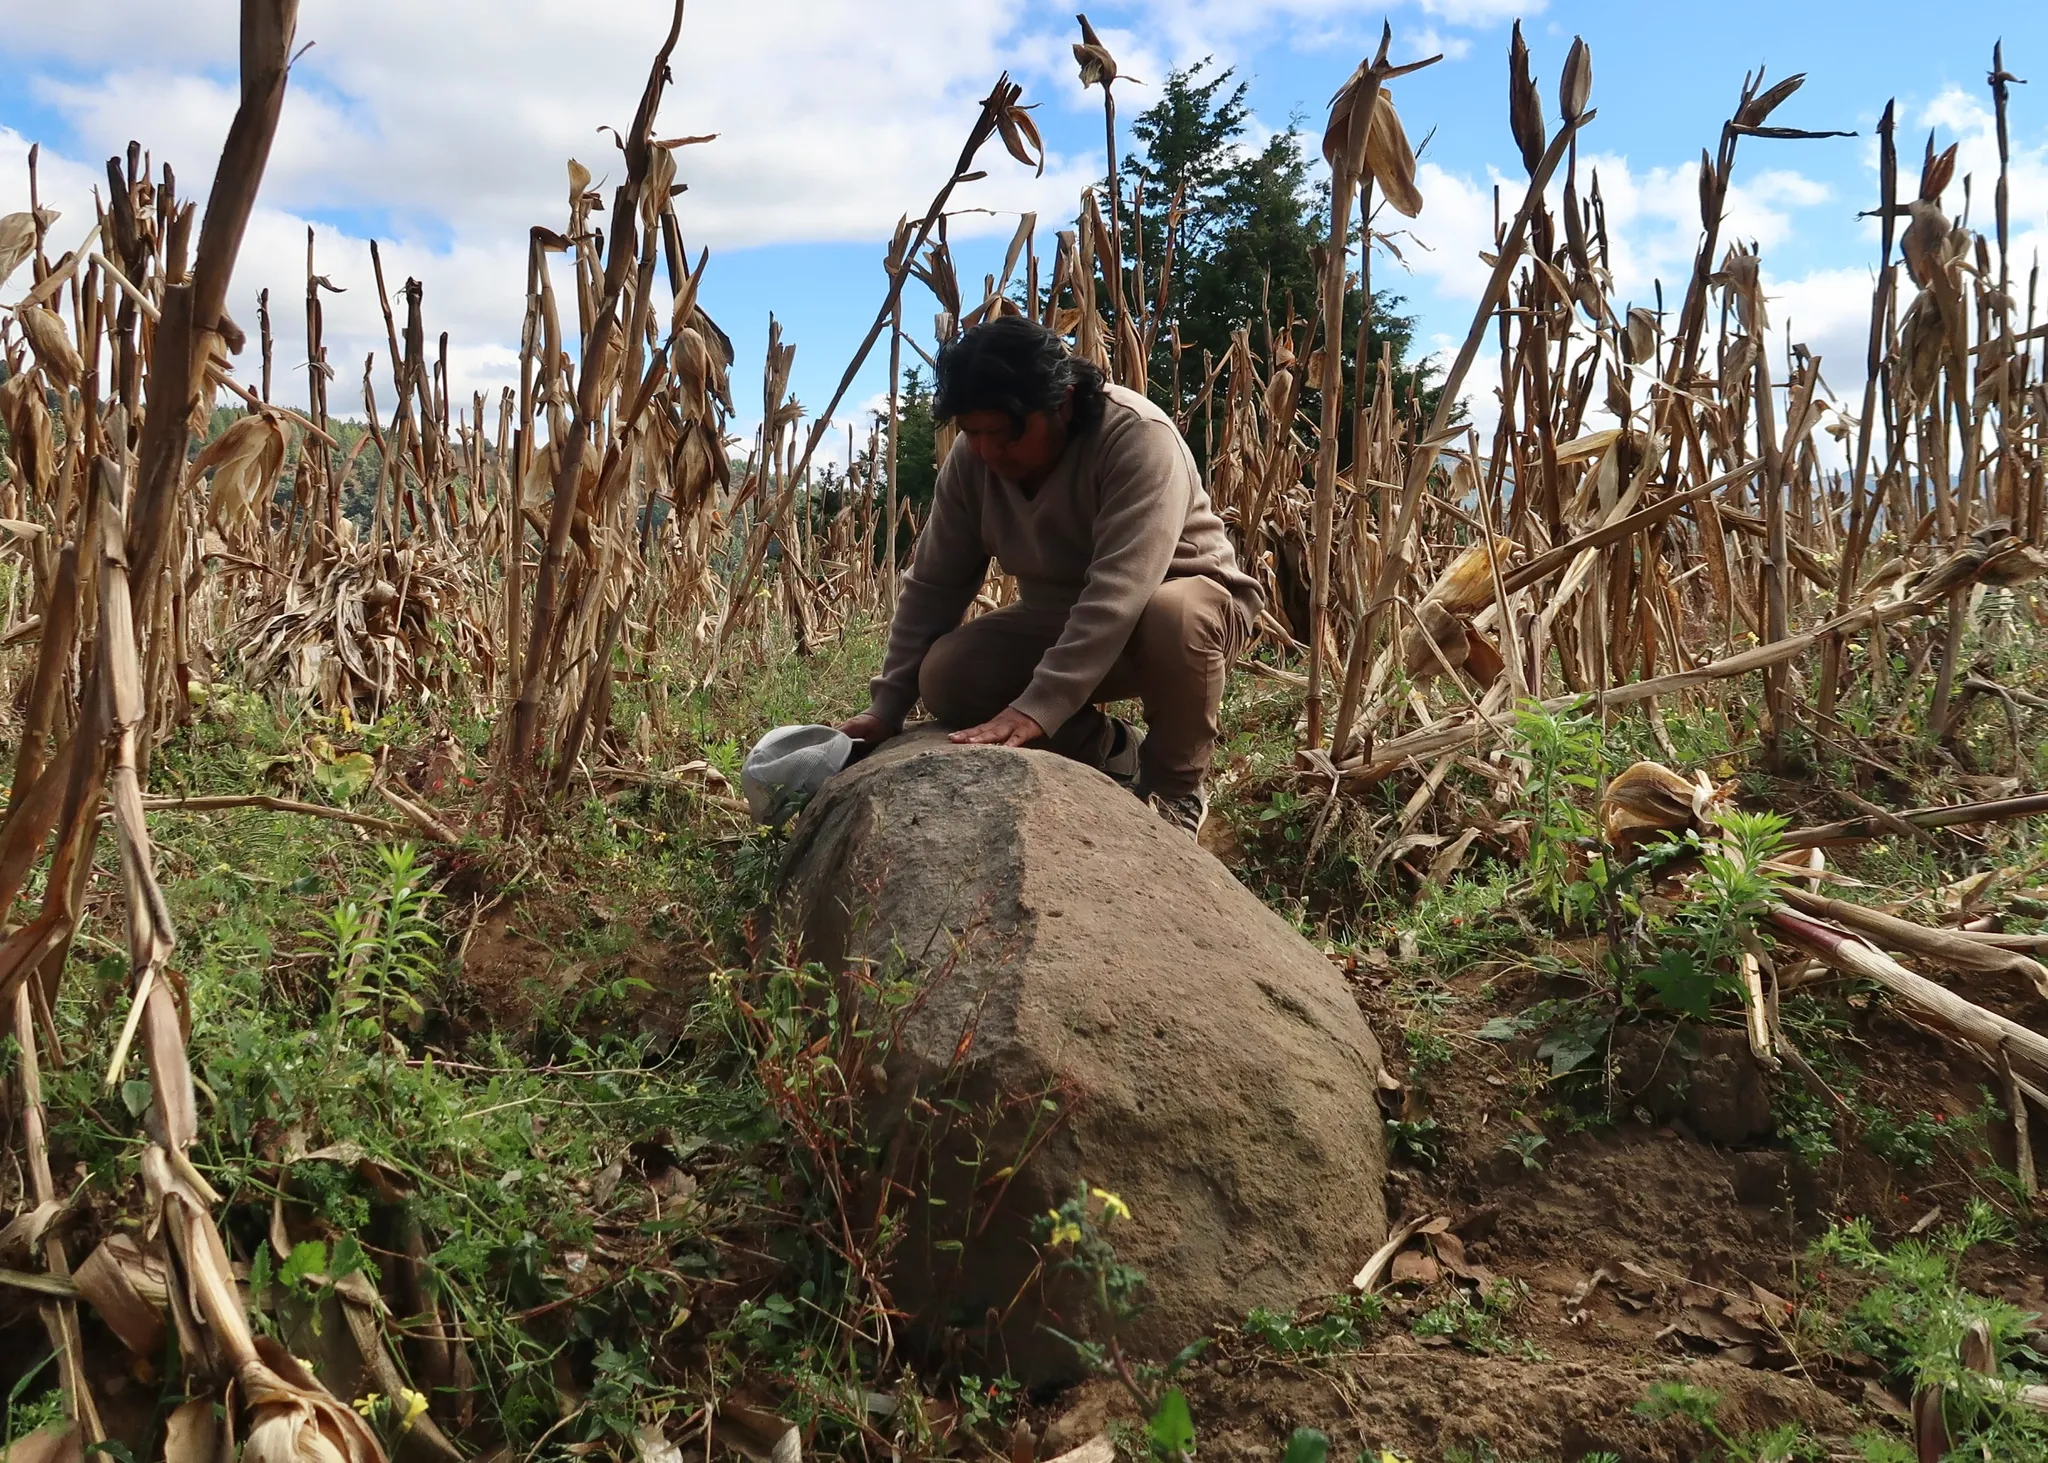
point(1015, 366)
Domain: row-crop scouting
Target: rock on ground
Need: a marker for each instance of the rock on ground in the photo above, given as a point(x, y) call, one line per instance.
point(1099, 1003)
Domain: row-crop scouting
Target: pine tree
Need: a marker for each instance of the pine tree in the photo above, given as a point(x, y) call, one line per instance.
point(1240, 251)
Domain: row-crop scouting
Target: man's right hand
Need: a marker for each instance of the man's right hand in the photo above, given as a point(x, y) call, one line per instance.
point(867, 727)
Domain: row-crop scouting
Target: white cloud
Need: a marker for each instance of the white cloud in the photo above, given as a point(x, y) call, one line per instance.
point(1429, 41)
point(1484, 12)
point(444, 130)
point(481, 142)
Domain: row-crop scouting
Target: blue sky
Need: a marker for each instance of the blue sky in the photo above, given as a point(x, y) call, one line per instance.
point(443, 130)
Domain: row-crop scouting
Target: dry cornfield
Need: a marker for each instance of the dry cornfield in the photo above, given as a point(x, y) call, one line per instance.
point(1652, 520)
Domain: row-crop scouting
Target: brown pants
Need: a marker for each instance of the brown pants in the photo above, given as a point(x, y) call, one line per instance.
point(1174, 663)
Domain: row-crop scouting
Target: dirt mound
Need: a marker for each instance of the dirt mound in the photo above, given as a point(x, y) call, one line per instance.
point(1099, 1003)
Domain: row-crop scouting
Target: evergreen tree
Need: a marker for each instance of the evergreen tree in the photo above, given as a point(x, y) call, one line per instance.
point(1241, 250)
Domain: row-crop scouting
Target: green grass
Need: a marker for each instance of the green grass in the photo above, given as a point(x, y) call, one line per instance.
point(329, 1015)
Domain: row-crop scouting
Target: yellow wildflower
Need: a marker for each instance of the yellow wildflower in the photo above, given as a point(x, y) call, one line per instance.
point(415, 1404)
point(369, 1404)
point(1112, 1206)
point(1064, 1231)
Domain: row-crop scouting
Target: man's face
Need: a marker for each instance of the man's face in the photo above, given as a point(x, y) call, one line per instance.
point(1018, 456)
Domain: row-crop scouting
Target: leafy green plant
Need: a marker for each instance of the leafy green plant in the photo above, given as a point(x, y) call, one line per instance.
point(1701, 1406)
point(26, 1413)
point(1077, 1233)
point(384, 952)
point(1907, 1142)
point(1419, 1140)
point(989, 1405)
point(1171, 1430)
point(1479, 1324)
point(1306, 1445)
point(1526, 1146)
point(1564, 749)
point(1913, 1319)
point(1428, 1048)
point(1805, 1121)
point(1342, 1324)
point(1288, 814)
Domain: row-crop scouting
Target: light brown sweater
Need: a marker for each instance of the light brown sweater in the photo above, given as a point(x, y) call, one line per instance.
point(1122, 511)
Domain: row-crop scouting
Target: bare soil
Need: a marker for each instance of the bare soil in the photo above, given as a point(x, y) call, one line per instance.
point(1701, 1245)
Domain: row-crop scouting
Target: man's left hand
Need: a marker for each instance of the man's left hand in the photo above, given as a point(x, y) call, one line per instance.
point(1007, 728)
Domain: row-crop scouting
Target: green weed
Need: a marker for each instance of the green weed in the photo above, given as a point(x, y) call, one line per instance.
point(1419, 1140)
point(1566, 761)
point(1699, 944)
point(1526, 1146)
point(1478, 1324)
point(1701, 1406)
point(1913, 1318)
point(1342, 1323)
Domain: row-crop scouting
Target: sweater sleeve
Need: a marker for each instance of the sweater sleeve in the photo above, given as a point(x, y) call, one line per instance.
point(946, 570)
point(1143, 506)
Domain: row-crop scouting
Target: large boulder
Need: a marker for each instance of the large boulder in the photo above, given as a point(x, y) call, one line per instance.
point(1099, 1002)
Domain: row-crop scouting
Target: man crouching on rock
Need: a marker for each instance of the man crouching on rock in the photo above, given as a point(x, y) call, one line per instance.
point(1087, 494)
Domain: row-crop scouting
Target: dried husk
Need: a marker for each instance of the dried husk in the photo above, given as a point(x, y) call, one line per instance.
point(1759, 107)
point(18, 238)
point(1390, 159)
point(60, 1442)
point(192, 1434)
point(1639, 338)
point(1344, 138)
point(1648, 799)
point(245, 461)
point(1466, 583)
point(1020, 136)
point(1098, 67)
point(1436, 640)
point(51, 341)
point(291, 1417)
point(129, 1287)
point(26, 416)
point(1575, 87)
point(1525, 103)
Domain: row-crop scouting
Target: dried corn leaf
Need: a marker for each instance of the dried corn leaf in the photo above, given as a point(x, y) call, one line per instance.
point(18, 238)
point(24, 1233)
point(1649, 799)
point(1097, 65)
point(1389, 157)
point(192, 1434)
point(245, 461)
point(51, 341)
point(129, 1287)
